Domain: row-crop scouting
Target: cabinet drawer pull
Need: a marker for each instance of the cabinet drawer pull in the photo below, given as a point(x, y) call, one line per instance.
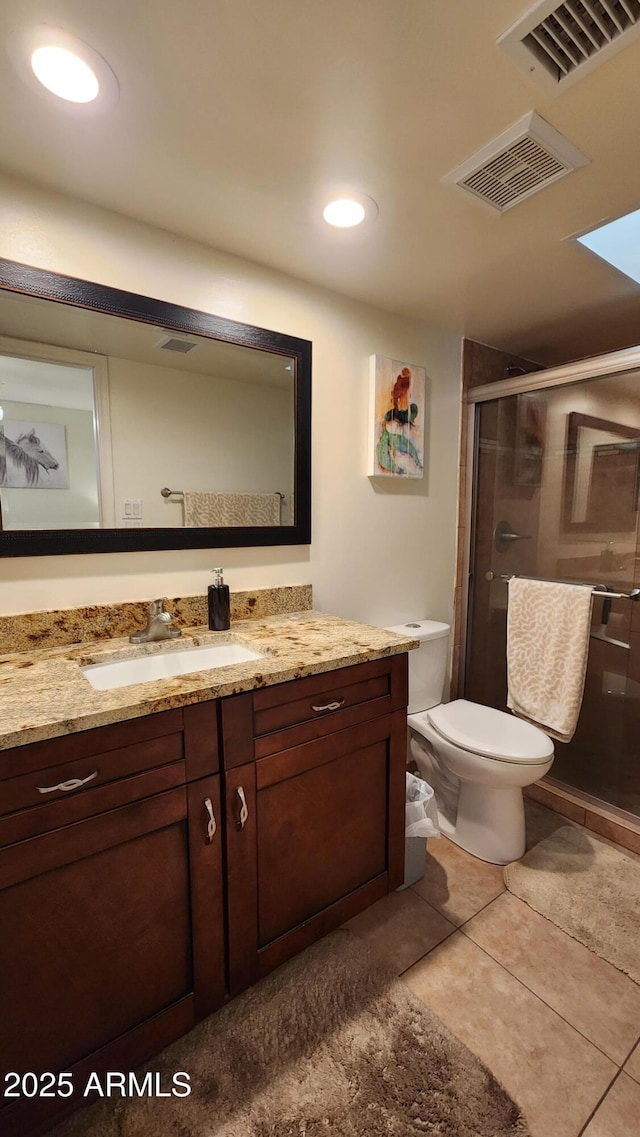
point(334, 706)
point(71, 784)
point(244, 808)
point(211, 823)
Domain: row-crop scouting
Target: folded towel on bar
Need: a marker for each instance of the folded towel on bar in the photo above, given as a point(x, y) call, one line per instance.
point(219, 510)
point(548, 627)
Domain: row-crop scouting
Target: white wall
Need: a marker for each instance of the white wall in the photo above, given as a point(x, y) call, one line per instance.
point(380, 552)
point(195, 432)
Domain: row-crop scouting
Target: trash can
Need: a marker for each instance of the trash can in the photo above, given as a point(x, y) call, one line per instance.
point(421, 822)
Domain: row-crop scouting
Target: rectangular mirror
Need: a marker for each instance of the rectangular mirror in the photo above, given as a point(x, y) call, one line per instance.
point(128, 423)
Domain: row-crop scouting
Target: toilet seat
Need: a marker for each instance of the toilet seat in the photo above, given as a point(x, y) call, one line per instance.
point(488, 732)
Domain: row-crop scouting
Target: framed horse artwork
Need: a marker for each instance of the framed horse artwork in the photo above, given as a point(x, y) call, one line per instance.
point(34, 456)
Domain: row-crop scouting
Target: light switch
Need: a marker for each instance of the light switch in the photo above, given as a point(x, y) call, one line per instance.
point(131, 507)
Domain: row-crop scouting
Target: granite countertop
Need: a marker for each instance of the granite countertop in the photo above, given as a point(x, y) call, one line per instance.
point(43, 693)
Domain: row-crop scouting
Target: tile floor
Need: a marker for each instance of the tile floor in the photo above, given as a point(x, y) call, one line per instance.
point(557, 1025)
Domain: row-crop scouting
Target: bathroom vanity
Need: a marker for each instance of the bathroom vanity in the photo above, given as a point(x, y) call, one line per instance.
point(155, 865)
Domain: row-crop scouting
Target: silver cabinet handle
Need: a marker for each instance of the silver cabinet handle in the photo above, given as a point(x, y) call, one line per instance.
point(334, 706)
point(211, 823)
point(71, 784)
point(244, 808)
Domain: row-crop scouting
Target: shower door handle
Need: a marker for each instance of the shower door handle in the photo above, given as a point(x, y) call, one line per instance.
point(504, 536)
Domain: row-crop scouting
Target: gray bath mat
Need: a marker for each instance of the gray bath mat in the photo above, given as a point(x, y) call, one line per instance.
point(588, 889)
point(330, 1045)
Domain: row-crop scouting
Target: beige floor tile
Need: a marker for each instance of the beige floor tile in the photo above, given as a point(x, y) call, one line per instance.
point(456, 883)
point(619, 1114)
point(633, 1065)
point(401, 927)
point(550, 1070)
point(591, 994)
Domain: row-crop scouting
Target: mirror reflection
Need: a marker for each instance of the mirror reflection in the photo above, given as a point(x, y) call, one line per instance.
point(601, 475)
point(114, 423)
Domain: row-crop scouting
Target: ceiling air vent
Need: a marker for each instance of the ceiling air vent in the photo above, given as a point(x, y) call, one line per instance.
point(558, 44)
point(181, 345)
point(522, 160)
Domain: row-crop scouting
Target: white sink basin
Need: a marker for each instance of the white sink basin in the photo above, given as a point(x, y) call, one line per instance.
point(164, 664)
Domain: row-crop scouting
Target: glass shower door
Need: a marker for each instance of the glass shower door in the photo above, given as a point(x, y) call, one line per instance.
point(557, 496)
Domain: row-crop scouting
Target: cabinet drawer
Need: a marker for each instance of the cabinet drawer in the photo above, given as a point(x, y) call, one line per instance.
point(297, 712)
point(44, 775)
point(86, 744)
point(78, 806)
point(82, 775)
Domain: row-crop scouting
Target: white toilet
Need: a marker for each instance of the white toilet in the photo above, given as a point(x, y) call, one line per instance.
point(477, 759)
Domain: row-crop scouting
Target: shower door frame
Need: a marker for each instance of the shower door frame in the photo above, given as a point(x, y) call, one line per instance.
point(578, 371)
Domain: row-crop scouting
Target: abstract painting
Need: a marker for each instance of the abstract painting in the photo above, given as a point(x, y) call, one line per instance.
point(33, 455)
point(396, 418)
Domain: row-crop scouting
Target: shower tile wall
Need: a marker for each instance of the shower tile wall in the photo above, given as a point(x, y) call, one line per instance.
point(480, 364)
point(556, 470)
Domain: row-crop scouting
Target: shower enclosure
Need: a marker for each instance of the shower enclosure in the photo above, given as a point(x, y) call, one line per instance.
point(557, 496)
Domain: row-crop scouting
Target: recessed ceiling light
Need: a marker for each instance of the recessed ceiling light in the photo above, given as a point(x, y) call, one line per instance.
point(65, 74)
point(344, 213)
point(347, 209)
point(70, 69)
point(618, 243)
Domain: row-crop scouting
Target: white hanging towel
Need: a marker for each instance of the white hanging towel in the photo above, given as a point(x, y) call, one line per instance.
point(548, 626)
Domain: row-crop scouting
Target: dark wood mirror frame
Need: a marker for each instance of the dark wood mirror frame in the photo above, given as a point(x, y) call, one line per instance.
point(575, 421)
point(44, 285)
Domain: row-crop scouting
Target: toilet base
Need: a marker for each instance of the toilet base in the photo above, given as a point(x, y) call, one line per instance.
point(490, 822)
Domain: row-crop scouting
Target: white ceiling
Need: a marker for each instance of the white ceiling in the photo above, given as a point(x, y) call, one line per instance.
point(237, 118)
point(26, 318)
point(46, 384)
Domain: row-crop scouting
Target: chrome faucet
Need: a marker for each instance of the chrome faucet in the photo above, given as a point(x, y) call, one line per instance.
point(158, 625)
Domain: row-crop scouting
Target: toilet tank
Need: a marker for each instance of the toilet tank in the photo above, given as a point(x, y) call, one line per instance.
point(427, 664)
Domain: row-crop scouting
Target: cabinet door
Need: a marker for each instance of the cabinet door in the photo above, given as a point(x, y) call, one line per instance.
point(242, 876)
point(112, 941)
point(206, 895)
point(325, 841)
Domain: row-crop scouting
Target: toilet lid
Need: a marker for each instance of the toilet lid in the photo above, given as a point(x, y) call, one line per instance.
point(491, 733)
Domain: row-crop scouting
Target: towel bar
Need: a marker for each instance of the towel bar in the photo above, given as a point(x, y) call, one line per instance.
point(599, 589)
point(166, 492)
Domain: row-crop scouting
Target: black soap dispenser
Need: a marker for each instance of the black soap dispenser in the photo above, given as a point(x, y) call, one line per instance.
point(219, 605)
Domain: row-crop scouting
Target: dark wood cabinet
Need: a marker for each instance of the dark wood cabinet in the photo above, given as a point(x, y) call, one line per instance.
point(111, 904)
point(324, 834)
point(120, 929)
